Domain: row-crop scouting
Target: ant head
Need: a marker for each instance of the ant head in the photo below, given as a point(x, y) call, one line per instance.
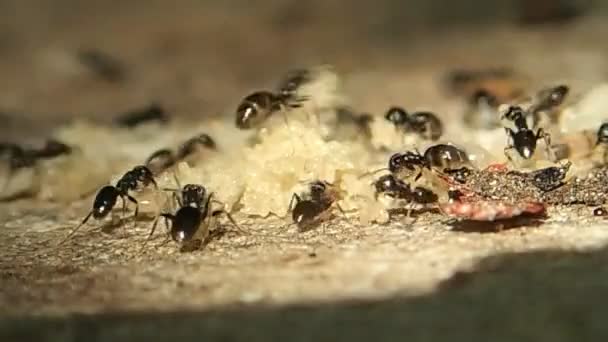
point(292, 81)
point(514, 113)
point(142, 173)
point(397, 116)
point(484, 96)
point(206, 141)
point(252, 109)
point(602, 134)
point(193, 195)
point(104, 201)
point(553, 97)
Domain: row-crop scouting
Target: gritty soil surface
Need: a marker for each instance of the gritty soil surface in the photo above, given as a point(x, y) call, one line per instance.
point(425, 278)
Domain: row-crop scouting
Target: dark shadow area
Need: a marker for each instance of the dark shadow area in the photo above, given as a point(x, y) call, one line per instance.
point(469, 226)
point(539, 296)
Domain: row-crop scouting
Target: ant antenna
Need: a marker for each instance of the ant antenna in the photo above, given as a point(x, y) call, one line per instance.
point(75, 229)
point(370, 173)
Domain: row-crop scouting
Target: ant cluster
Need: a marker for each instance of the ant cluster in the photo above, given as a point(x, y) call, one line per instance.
point(300, 151)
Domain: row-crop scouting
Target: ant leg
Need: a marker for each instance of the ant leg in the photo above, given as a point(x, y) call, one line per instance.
point(149, 235)
point(84, 221)
point(231, 219)
point(133, 200)
point(541, 134)
point(342, 211)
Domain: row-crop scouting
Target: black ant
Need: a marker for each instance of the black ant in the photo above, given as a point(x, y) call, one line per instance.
point(313, 207)
point(482, 110)
point(446, 156)
point(192, 145)
point(391, 186)
point(191, 222)
point(546, 101)
point(257, 107)
point(136, 117)
point(425, 124)
point(443, 156)
point(523, 139)
point(550, 178)
point(103, 65)
point(164, 158)
point(160, 160)
point(21, 158)
point(106, 197)
point(52, 148)
point(294, 79)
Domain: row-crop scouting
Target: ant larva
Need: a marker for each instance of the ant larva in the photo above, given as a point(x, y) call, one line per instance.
point(136, 117)
point(425, 124)
point(163, 159)
point(191, 223)
point(312, 207)
point(106, 197)
point(523, 139)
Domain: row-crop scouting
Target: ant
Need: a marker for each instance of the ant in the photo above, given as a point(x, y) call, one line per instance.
point(136, 117)
point(103, 65)
point(391, 186)
point(546, 101)
point(52, 148)
point(550, 178)
point(446, 157)
point(191, 222)
point(257, 107)
point(313, 207)
point(106, 197)
point(482, 110)
point(523, 139)
point(442, 156)
point(425, 124)
point(294, 79)
point(21, 158)
point(601, 143)
point(164, 158)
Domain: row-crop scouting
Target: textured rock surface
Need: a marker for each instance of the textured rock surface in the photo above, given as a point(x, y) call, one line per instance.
point(426, 280)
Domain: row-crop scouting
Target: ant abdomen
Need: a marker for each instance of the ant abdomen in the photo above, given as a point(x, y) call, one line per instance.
point(104, 202)
point(255, 108)
point(446, 156)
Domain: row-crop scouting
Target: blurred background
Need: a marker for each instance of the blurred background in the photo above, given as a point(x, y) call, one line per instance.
point(62, 59)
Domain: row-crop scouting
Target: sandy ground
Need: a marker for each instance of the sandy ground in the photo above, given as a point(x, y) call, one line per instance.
point(425, 280)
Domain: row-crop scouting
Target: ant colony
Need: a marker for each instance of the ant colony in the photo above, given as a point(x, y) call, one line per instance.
point(302, 153)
